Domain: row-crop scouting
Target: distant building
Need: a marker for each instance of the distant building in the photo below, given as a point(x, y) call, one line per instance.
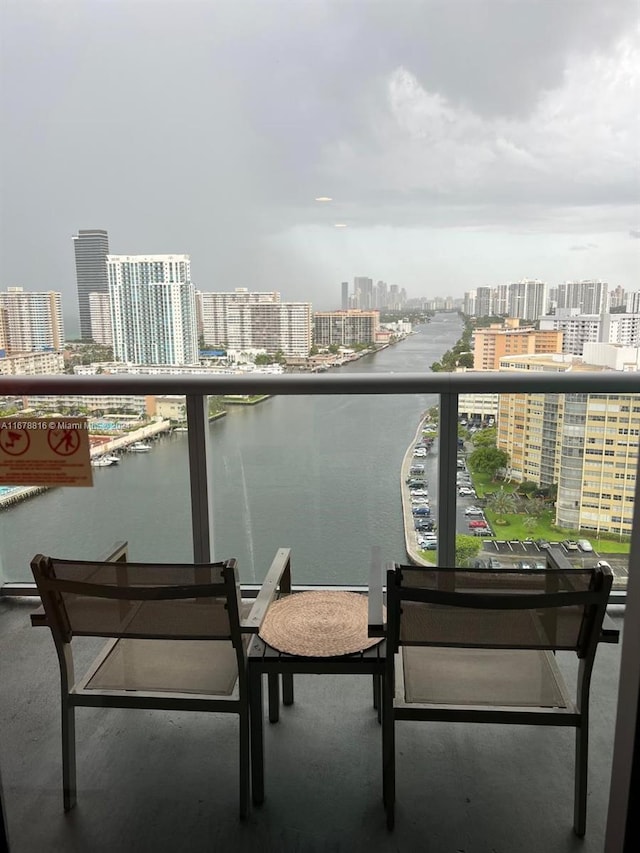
point(344, 302)
point(586, 297)
point(345, 328)
point(491, 344)
point(153, 309)
point(363, 292)
point(577, 329)
point(32, 364)
point(270, 326)
point(30, 321)
point(100, 310)
point(91, 248)
point(527, 299)
point(213, 311)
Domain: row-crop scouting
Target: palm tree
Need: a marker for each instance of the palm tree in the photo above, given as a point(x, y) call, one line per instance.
point(502, 503)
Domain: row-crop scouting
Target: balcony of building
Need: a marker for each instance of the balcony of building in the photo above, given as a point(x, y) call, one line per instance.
point(168, 781)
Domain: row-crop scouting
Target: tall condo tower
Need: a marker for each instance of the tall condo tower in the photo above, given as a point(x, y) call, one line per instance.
point(153, 309)
point(91, 249)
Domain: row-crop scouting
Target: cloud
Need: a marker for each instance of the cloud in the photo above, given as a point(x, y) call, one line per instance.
point(635, 233)
point(583, 248)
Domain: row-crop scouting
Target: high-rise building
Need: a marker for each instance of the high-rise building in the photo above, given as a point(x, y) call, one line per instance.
point(270, 326)
point(344, 302)
point(153, 309)
point(30, 321)
point(345, 328)
point(213, 311)
point(484, 302)
point(633, 302)
point(577, 329)
point(91, 248)
point(363, 292)
point(617, 297)
point(100, 311)
point(527, 299)
point(587, 297)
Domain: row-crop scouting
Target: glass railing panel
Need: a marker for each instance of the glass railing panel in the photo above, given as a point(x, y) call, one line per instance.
point(140, 491)
point(567, 478)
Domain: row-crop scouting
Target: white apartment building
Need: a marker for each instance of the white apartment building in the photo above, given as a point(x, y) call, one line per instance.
point(633, 302)
point(213, 311)
point(30, 321)
point(578, 329)
point(586, 297)
point(270, 326)
point(527, 299)
point(621, 329)
point(153, 309)
point(100, 314)
point(345, 328)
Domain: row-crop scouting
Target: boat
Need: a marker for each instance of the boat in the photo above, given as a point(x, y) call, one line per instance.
point(101, 462)
point(114, 460)
point(140, 447)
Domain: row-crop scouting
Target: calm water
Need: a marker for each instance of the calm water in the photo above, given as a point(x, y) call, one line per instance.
point(318, 474)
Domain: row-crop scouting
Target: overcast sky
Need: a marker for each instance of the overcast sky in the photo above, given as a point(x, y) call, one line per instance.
point(463, 142)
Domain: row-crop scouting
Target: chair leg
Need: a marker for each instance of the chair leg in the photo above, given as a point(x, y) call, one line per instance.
point(257, 739)
point(287, 688)
point(581, 773)
point(68, 754)
point(274, 697)
point(388, 752)
point(245, 763)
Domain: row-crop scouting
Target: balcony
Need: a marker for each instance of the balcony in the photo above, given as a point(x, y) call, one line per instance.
point(169, 783)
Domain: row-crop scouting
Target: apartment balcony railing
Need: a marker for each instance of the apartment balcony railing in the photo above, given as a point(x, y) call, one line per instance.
point(447, 386)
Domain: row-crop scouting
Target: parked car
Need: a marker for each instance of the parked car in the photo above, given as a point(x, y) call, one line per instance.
point(430, 546)
point(525, 564)
point(570, 544)
point(466, 492)
point(481, 531)
point(421, 510)
point(419, 493)
point(479, 564)
point(474, 510)
point(416, 469)
point(585, 545)
point(543, 544)
point(492, 563)
point(477, 523)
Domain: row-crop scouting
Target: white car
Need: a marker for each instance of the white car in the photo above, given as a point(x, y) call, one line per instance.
point(585, 545)
point(464, 492)
point(473, 510)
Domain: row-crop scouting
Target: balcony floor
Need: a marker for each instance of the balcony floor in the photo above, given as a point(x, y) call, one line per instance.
point(159, 781)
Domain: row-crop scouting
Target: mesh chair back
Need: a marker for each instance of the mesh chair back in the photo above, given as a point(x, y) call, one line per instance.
point(480, 608)
point(139, 600)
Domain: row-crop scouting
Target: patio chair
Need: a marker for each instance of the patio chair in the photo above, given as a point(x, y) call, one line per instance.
point(176, 642)
point(476, 645)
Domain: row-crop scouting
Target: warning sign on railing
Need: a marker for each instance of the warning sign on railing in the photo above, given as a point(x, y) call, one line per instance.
point(45, 452)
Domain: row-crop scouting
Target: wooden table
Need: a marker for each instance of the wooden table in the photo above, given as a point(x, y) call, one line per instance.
point(263, 659)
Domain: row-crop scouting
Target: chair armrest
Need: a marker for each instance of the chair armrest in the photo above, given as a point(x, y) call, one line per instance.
point(277, 582)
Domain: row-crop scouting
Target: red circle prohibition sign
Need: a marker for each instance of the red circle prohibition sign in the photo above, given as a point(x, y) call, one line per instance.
point(15, 442)
point(64, 442)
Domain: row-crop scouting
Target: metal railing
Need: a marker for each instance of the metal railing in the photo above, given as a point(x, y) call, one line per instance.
point(447, 385)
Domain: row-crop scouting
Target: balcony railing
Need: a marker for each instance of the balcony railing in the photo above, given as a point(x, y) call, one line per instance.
point(447, 385)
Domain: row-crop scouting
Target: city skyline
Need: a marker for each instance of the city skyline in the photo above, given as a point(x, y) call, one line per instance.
point(470, 144)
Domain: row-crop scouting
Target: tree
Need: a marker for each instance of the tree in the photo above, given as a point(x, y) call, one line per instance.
point(502, 503)
point(467, 547)
point(485, 437)
point(489, 460)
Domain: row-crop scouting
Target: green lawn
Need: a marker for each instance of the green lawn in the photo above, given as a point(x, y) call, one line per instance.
point(515, 527)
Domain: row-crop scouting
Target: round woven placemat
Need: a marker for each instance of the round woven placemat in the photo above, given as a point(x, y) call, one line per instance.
point(318, 624)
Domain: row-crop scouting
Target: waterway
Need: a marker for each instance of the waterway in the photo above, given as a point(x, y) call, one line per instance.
point(318, 474)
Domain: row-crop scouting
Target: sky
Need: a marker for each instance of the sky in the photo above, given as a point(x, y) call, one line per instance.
point(463, 143)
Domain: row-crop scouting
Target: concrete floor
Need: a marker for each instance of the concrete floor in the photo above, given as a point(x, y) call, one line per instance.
point(159, 781)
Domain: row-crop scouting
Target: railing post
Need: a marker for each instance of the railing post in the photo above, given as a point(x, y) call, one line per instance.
point(201, 505)
point(447, 497)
